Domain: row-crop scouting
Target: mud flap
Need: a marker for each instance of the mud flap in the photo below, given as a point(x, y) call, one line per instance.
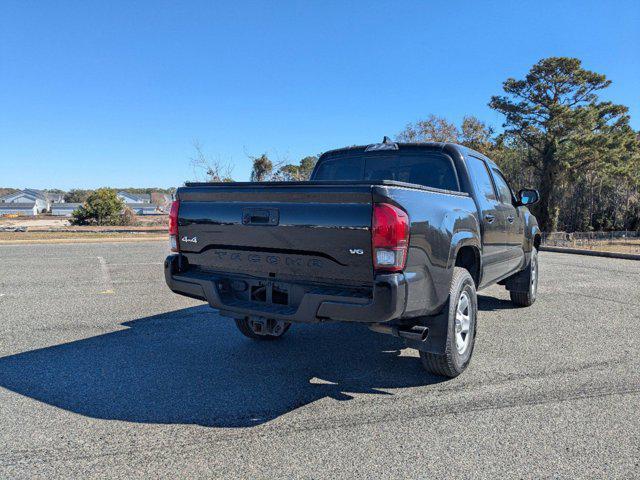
point(520, 281)
point(436, 340)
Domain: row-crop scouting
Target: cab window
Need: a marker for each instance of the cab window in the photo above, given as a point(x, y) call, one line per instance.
point(506, 195)
point(481, 179)
point(429, 169)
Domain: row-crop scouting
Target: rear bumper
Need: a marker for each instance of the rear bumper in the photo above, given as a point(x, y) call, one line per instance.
point(386, 303)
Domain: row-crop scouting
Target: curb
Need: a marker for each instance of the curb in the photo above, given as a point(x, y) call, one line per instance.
point(593, 253)
point(158, 231)
point(52, 241)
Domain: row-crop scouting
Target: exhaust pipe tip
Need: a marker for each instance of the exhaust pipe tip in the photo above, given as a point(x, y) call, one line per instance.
point(416, 332)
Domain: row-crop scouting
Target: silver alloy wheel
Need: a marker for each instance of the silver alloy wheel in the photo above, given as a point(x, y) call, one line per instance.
point(463, 323)
point(534, 278)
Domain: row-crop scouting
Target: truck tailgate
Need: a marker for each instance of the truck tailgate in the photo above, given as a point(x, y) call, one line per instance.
point(318, 232)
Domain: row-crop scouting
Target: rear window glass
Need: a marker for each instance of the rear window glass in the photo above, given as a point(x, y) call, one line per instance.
point(430, 170)
point(340, 169)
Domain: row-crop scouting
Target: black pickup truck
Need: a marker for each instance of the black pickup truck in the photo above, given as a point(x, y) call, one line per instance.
point(396, 236)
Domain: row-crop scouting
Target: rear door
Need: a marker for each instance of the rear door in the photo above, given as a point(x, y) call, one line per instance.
point(494, 248)
point(297, 231)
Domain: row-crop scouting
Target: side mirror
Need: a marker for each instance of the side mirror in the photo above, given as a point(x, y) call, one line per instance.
point(528, 196)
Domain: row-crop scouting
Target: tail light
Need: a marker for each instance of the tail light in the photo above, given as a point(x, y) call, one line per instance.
point(173, 226)
point(389, 237)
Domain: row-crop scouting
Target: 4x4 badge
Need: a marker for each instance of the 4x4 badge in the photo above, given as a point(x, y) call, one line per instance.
point(186, 239)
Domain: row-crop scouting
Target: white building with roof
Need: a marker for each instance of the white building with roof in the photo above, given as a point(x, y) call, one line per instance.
point(143, 208)
point(21, 208)
point(55, 197)
point(168, 200)
point(133, 198)
point(27, 196)
point(64, 209)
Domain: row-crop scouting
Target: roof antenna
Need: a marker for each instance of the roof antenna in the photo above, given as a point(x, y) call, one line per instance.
point(386, 144)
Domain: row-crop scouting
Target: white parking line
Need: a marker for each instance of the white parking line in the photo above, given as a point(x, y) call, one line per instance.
point(137, 263)
point(106, 278)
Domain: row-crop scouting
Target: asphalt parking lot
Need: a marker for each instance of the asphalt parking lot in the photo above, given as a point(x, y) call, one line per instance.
point(105, 372)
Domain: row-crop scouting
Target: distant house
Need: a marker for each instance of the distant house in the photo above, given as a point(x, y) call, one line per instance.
point(19, 208)
point(164, 202)
point(64, 209)
point(23, 201)
point(133, 198)
point(28, 196)
point(55, 197)
point(143, 208)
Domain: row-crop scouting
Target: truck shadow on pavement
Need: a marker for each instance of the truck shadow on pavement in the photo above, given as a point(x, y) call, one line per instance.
point(491, 304)
point(191, 366)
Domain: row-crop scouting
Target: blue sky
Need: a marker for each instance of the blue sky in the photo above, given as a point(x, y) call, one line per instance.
point(115, 93)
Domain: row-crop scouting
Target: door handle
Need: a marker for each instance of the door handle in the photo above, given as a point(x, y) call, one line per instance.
point(260, 216)
point(510, 219)
point(489, 218)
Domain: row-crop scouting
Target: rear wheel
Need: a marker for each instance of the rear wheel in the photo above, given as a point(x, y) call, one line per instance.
point(526, 299)
point(265, 329)
point(461, 333)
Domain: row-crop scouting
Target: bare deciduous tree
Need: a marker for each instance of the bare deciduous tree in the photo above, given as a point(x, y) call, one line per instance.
point(214, 170)
point(262, 169)
point(476, 134)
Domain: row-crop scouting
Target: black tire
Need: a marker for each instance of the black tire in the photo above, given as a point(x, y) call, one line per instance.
point(531, 273)
point(244, 326)
point(453, 362)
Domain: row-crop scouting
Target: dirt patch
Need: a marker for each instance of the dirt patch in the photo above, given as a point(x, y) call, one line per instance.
point(48, 222)
point(33, 222)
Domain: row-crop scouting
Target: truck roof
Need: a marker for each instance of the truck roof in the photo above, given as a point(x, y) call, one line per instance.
point(433, 146)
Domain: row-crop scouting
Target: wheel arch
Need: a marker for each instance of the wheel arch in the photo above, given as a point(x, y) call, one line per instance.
point(466, 253)
point(532, 233)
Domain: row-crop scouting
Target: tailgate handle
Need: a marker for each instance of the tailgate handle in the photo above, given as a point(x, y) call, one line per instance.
point(260, 216)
